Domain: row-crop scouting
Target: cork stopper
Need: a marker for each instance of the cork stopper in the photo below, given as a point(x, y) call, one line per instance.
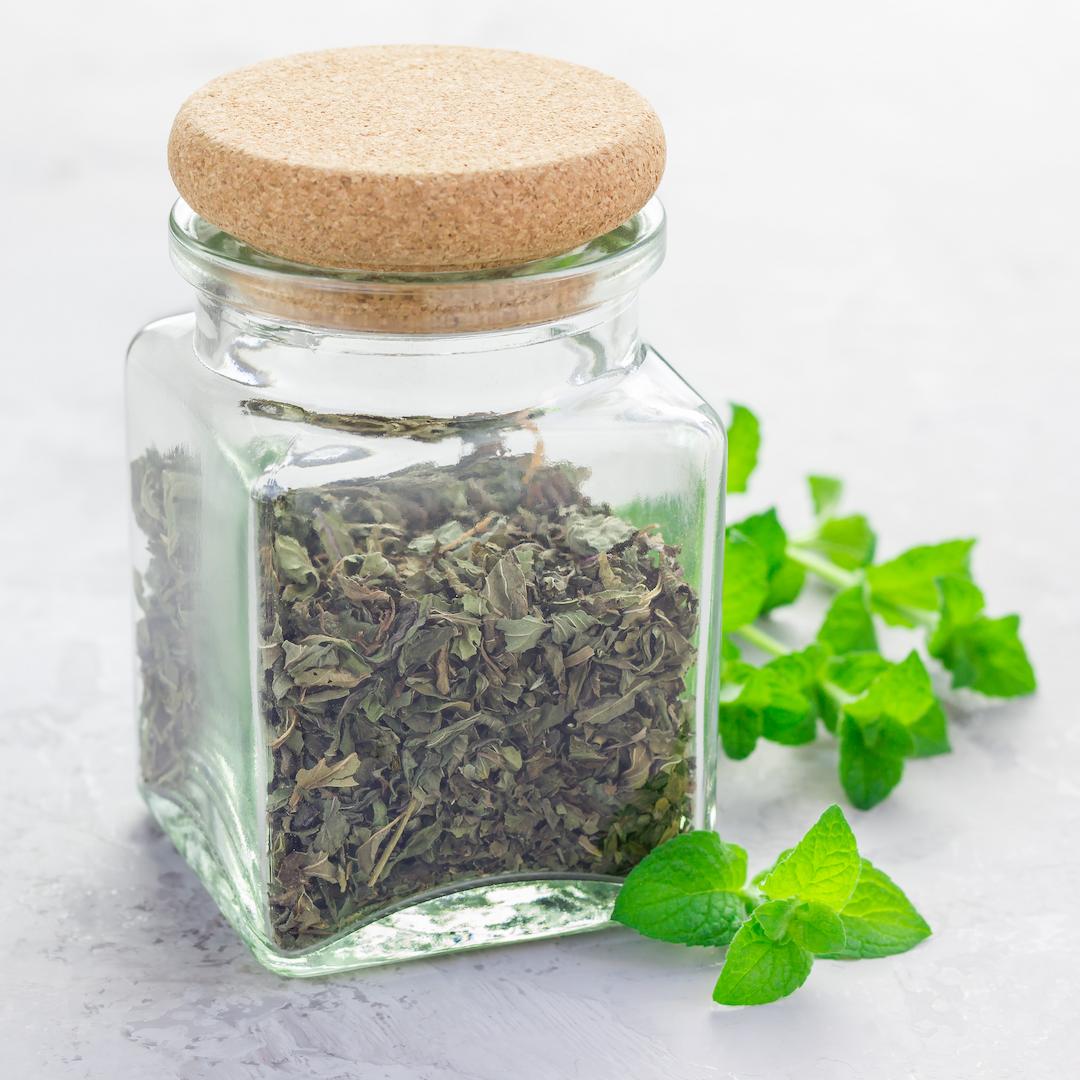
point(416, 158)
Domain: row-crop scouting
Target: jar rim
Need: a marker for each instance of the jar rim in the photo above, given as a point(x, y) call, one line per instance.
point(542, 290)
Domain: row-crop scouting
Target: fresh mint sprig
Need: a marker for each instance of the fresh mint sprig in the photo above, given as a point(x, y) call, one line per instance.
point(882, 712)
point(819, 900)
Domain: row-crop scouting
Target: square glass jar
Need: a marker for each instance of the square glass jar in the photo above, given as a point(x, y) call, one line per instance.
point(428, 580)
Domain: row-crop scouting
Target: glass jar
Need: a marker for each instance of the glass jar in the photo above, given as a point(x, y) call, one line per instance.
point(427, 574)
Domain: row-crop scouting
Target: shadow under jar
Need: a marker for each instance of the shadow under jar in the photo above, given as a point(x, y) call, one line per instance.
point(427, 574)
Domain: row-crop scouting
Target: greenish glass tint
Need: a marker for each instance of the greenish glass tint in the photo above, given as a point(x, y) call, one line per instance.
point(427, 623)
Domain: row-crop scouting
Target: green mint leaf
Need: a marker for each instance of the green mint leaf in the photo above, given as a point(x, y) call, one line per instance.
point(761, 875)
point(856, 671)
point(849, 542)
point(686, 891)
point(962, 601)
point(791, 718)
point(901, 692)
point(817, 928)
point(773, 701)
point(765, 530)
point(823, 865)
point(825, 494)
point(753, 692)
point(852, 674)
point(774, 917)
point(930, 733)
point(989, 656)
point(746, 580)
point(982, 653)
point(802, 668)
point(878, 920)
point(785, 584)
point(811, 925)
point(848, 625)
point(744, 441)
point(758, 970)
point(896, 717)
point(910, 580)
point(785, 576)
point(741, 721)
point(871, 758)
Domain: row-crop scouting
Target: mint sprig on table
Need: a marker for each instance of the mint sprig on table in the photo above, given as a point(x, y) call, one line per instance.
point(820, 900)
point(883, 712)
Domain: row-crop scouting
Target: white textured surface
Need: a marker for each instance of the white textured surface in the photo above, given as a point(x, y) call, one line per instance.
point(875, 241)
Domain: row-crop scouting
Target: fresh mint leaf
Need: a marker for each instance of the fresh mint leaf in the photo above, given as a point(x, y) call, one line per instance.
point(765, 703)
point(800, 673)
point(901, 692)
point(896, 717)
point(909, 582)
point(686, 891)
point(746, 580)
point(823, 865)
point(776, 701)
point(740, 720)
point(743, 443)
point(813, 926)
point(817, 928)
point(803, 667)
point(851, 674)
point(761, 875)
point(962, 601)
point(871, 758)
point(878, 920)
point(930, 733)
point(825, 493)
point(758, 970)
point(848, 625)
point(774, 917)
point(821, 900)
point(785, 584)
point(765, 530)
point(785, 576)
point(856, 671)
point(982, 653)
point(849, 542)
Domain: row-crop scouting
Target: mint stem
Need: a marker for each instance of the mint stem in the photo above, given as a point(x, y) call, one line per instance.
point(762, 639)
point(840, 578)
point(826, 570)
point(754, 635)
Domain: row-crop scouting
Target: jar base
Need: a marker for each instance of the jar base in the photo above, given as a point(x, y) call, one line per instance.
point(479, 915)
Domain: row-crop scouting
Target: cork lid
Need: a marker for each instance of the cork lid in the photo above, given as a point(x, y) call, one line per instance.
point(416, 157)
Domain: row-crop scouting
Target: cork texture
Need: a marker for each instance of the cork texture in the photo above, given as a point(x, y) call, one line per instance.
point(416, 158)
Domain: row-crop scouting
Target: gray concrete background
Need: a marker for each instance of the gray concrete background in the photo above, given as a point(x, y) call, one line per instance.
point(874, 241)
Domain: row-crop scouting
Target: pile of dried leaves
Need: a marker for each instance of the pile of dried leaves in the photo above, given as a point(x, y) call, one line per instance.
point(164, 496)
point(469, 672)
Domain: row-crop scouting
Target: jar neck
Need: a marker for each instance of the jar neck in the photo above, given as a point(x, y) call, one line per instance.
point(411, 375)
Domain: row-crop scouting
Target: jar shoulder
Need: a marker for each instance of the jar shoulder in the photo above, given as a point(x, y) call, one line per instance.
point(641, 418)
point(657, 382)
point(170, 335)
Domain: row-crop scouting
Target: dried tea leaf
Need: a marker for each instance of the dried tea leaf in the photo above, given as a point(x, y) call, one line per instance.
point(467, 671)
